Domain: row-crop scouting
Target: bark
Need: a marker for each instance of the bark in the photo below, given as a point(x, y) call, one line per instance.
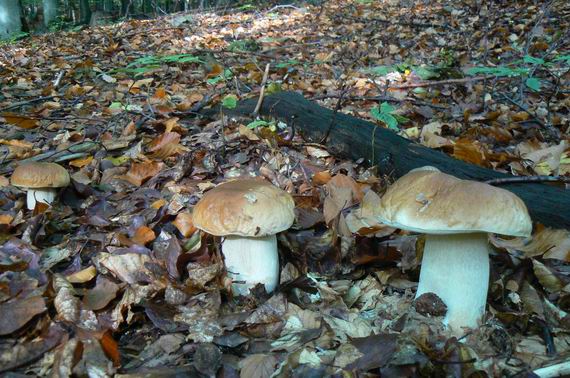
point(50, 11)
point(10, 22)
point(84, 11)
point(354, 138)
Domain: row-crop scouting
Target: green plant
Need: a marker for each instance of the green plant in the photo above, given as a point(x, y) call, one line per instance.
point(14, 38)
point(385, 113)
point(226, 75)
point(525, 68)
point(148, 63)
point(230, 101)
point(261, 123)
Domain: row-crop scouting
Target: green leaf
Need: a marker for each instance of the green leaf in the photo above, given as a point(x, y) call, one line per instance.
point(273, 88)
point(533, 83)
point(386, 108)
point(497, 71)
point(230, 101)
point(401, 119)
point(258, 123)
point(425, 73)
point(116, 105)
point(381, 70)
point(533, 60)
point(287, 64)
point(563, 58)
point(387, 118)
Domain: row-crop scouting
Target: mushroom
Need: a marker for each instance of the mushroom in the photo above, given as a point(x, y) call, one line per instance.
point(41, 180)
point(248, 213)
point(456, 216)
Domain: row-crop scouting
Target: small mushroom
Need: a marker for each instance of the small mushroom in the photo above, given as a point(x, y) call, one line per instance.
point(41, 180)
point(456, 216)
point(248, 213)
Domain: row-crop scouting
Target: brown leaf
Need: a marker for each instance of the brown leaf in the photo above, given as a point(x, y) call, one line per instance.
point(321, 178)
point(184, 224)
point(257, 366)
point(165, 145)
point(139, 173)
point(21, 120)
point(27, 351)
point(15, 313)
point(104, 292)
point(469, 151)
point(80, 163)
point(111, 348)
point(143, 235)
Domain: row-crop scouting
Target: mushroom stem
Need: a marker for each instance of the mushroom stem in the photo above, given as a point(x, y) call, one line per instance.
point(456, 268)
point(251, 261)
point(45, 195)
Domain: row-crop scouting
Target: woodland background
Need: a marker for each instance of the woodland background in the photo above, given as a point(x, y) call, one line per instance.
point(152, 103)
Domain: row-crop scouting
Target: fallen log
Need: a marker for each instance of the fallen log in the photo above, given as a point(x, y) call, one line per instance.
point(354, 138)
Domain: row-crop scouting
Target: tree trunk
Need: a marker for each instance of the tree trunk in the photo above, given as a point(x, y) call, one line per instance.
point(50, 11)
point(10, 13)
point(84, 12)
point(354, 138)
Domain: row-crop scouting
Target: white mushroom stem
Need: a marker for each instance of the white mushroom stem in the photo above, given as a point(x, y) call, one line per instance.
point(45, 195)
point(456, 268)
point(250, 261)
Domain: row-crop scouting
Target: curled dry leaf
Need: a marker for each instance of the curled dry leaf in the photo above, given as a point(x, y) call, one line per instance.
point(129, 267)
point(166, 145)
point(82, 276)
point(110, 347)
point(15, 313)
point(66, 303)
point(139, 173)
point(547, 242)
point(546, 277)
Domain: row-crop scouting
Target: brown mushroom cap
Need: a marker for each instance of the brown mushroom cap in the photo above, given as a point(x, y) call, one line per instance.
point(428, 201)
point(40, 175)
point(245, 207)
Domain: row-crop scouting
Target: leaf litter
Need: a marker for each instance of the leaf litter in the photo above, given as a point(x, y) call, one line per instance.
point(116, 278)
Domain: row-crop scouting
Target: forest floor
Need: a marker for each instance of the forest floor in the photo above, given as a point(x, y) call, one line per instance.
point(115, 279)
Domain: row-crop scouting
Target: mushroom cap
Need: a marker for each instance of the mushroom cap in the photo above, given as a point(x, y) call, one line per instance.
point(429, 201)
point(40, 175)
point(244, 207)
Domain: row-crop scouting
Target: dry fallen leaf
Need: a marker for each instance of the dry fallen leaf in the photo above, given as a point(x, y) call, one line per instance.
point(184, 224)
point(257, 366)
point(15, 313)
point(143, 235)
point(139, 173)
point(83, 276)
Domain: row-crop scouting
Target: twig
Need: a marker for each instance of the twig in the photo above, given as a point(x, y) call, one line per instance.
point(282, 7)
point(57, 80)
point(343, 92)
point(534, 116)
point(558, 370)
point(444, 82)
point(527, 179)
point(23, 103)
point(381, 98)
point(262, 93)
